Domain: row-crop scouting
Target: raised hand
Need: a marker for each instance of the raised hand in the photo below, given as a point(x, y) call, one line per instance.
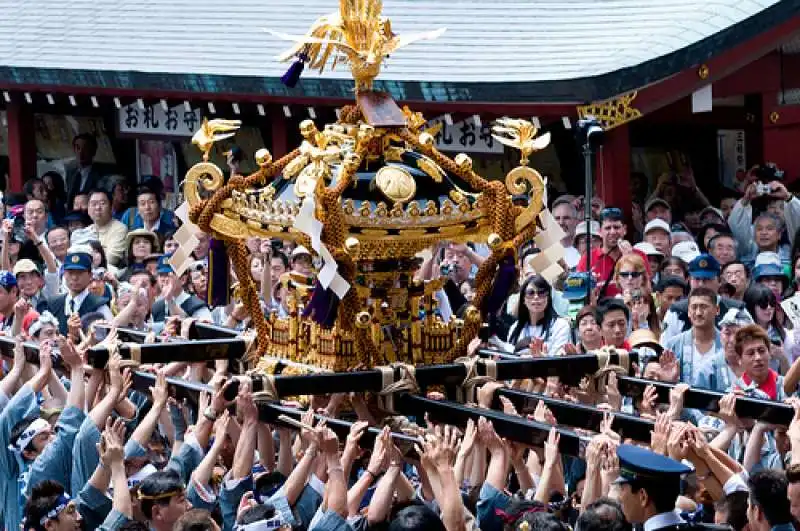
point(649, 400)
point(551, 452)
point(380, 451)
point(160, 393)
point(112, 446)
point(676, 399)
point(470, 435)
point(727, 410)
point(660, 434)
point(221, 427)
point(670, 372)
point(68, 353)
point(114, 374)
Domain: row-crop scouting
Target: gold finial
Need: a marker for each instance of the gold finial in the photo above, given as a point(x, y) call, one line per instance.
point(521, 135)
point(358, 35)
point(214, 131)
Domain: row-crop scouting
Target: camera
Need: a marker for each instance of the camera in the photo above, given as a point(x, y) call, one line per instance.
point(446, 269)
point(589, 131)
point(763, 188)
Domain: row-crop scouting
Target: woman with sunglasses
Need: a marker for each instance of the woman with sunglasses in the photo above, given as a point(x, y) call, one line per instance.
point(537, 321)
point(631, 277)
point(761, 302)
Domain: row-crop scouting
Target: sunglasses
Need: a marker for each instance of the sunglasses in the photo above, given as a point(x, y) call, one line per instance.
point(766, 304)
point(630, 274)
point(611, 213)
point(531, 293)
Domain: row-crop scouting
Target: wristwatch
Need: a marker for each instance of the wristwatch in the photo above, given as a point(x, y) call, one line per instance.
point(210, 414)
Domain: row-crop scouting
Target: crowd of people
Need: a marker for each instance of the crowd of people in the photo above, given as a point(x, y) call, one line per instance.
point(704, 294)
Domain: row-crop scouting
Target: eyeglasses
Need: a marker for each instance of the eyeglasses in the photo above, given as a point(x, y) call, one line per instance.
point(630, 274)
point(611, 213)
point(534, 293)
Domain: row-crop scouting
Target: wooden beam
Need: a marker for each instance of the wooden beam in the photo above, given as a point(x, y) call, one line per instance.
point(672, 89)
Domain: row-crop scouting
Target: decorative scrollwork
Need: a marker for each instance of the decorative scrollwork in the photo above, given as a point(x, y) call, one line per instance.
point(205, 174)
point(612, 113)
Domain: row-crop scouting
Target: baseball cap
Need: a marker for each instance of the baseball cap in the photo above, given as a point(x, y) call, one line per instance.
point(7, 280)
point(712, 210)
point(654, 202)
point(25, 265)
point(164, 267)
point(704, 266)
point(594, 229)
point(657, 224)
point(648, 249)
point(300, 250)
point(686, 251)
point(78, 260)
point(736, 317)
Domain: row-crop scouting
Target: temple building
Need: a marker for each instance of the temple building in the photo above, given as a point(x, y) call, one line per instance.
point(712, 85)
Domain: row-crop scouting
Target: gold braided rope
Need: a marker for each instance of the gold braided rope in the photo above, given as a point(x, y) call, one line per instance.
point(241, 264)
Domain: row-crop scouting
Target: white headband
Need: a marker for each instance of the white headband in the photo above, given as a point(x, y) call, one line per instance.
point(145, 472)
point(36, 427)
point(61, 503)
point(45, 318)
point(261, 525)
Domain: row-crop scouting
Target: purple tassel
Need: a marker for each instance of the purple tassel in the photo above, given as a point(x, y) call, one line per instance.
point(219, 274)
point(503, 282)
point(323, 306)
point(292, 75)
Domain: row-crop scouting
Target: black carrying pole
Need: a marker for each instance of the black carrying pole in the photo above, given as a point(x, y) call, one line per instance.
point(577, 415)
point(267, 411)
point(512, 427)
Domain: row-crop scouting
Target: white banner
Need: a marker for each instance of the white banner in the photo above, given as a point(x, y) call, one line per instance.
point(154, 120)
point(465, 136)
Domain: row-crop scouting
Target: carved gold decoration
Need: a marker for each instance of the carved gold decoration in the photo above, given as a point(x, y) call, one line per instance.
point(387, 315)
point(396, 184)
point(703, 72)
point(612, 113)
point(521, 135)
point(774, 116)
point(213, 131)
point(431, 168)
point(358, 35)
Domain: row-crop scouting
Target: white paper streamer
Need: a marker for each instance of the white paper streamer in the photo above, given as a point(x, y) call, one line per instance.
point(306, 223)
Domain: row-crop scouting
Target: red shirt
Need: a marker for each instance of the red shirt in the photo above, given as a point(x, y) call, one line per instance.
point(769, 386)
point(603, 268)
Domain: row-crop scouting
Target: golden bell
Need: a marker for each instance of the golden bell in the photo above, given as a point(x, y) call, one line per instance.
point(352, 245)
point(471, 314)
point(307, 128)
point(427, 139)
point(263, 157)
point(494, 241)
point(464, 161)
point(363, 319)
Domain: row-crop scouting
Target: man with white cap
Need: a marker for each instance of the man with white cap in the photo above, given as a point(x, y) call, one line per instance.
point(654, 256)
point(580, 236)
point(686, 251)
point(301, 261)
point(657, 233)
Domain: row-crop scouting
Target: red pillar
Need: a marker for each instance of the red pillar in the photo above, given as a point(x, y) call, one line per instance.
point(21, 145)
point(613, 180)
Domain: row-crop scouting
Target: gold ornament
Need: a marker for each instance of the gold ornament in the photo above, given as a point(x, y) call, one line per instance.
point(612, 113)
point(396, 184)
point(359, 34)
